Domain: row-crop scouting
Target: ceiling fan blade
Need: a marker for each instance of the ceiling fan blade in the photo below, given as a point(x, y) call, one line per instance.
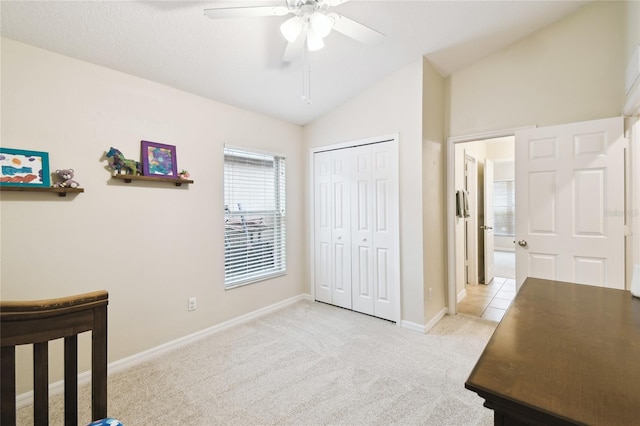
point(334, 2)
point(246, 12)
point(357, 31)
point(294, 50)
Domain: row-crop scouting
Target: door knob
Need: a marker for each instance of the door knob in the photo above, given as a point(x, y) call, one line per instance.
point(522, 243)
point(364, 240)
point(486, 227)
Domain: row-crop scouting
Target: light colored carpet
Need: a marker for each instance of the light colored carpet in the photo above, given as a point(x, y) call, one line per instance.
point(308, 364)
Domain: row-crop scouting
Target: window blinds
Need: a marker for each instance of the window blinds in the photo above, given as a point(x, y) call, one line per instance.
point(504, 208)
point(255, 226)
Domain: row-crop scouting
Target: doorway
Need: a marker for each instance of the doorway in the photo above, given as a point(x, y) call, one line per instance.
point(485, 254)
point(569, 180)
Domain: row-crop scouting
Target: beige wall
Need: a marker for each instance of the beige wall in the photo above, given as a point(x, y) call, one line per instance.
point(151, 246)
point(570, 71)
point(632, 26)
point(501, 149)
point(393, 105)
point(433, 184)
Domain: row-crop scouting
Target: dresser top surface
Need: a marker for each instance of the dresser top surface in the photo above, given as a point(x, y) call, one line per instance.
point(569, 350)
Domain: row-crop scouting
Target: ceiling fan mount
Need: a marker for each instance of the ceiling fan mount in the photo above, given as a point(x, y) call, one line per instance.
point(311, 23)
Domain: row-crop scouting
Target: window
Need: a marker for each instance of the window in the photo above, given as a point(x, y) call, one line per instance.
point(254, 219)
point(504, 208)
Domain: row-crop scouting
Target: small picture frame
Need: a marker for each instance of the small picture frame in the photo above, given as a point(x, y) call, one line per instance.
point(19, 167)
point(158, 159)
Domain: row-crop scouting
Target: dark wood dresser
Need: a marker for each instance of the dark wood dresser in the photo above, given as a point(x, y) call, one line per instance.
point(563, 354)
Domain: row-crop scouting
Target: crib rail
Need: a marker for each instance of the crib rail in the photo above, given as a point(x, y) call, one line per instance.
point(37, 323)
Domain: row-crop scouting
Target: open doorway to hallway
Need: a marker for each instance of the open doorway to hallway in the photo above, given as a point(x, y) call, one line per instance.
point(488, 301)
point(485, 227)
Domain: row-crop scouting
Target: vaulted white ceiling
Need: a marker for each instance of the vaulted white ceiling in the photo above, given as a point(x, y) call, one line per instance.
point(238, 61)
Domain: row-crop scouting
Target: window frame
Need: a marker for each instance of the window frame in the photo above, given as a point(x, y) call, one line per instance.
point(255, 272)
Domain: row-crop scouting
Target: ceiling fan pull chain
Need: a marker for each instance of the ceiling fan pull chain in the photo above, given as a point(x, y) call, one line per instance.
point(306, 77)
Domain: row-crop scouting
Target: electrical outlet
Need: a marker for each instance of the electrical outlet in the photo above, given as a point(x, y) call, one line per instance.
point(192, 304)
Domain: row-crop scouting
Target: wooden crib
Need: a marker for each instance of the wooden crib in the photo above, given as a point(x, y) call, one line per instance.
point(38, 322)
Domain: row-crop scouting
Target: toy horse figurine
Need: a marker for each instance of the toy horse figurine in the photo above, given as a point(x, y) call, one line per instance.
point(120, 164)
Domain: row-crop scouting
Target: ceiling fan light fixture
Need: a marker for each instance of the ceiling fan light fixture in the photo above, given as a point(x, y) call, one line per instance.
point(321, 24)
point(291, 28)
point(314, 41)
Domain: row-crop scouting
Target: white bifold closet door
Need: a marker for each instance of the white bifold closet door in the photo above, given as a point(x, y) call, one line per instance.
point(356, 203)
point(332, 228)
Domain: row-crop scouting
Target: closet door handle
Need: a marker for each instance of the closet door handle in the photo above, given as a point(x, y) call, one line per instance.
point(364, 240)
point(339, 238)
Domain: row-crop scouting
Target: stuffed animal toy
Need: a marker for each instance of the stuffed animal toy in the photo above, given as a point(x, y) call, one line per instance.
point(66, 176)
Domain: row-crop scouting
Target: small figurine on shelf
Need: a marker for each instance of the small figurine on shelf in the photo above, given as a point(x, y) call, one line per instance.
point(184, 174)
point(66, 179)
point(119, 163)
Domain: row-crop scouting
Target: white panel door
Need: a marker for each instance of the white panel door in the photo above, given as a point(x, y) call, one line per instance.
point(384, 227)
point(341, 228)
point(322, 227)
point(488, 222)
point(570, 203)
point(362, 229)
point(374, 189)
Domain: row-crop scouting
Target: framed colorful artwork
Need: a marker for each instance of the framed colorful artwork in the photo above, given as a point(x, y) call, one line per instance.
point(19, 167)
point(158, 159)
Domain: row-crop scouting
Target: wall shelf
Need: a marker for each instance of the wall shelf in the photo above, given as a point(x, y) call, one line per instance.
point(130, 178)
point(62, 192)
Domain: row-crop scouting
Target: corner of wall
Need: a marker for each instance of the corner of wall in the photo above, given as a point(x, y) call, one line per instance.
point(433, 212)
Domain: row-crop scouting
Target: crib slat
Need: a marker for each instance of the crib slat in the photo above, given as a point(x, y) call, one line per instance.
point(71, 380)
point(8, 389)
point(99, 364)
point(41, 384)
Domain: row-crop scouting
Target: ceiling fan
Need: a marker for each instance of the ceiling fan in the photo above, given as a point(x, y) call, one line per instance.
point(311, 23)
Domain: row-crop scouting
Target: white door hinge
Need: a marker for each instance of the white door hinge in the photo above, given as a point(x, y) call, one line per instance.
point(627, 231)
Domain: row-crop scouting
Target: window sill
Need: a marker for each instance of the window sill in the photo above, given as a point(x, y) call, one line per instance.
point(254, 280)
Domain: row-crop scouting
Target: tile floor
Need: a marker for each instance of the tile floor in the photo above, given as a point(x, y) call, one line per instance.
point(488, 301)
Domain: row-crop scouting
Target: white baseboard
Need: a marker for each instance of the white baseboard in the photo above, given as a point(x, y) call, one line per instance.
point(435, 319)
point(413, 326)
point(428, 326)
point(26, 398)
point(461, 295)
